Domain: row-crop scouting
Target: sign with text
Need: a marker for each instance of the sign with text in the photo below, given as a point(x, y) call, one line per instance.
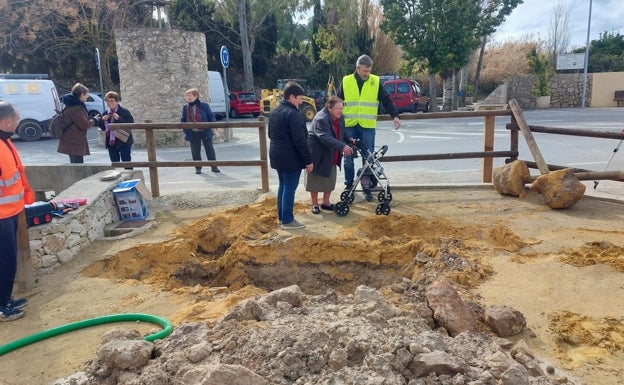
point(570, 61)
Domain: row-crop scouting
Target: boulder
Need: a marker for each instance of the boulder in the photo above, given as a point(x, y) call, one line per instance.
point(504, 320)
point(561, 189)
point(449, 309)
point(511, 178)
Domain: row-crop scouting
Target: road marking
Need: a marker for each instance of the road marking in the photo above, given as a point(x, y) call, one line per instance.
point(431, 137)
point(459, 133)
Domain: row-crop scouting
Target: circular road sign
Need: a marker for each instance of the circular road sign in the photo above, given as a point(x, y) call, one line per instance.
point(225, 57)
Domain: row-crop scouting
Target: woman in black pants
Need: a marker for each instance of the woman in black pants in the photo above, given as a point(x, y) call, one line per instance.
point(197, 111)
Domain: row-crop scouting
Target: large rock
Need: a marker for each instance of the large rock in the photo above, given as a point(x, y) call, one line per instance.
point(219, 374)
point(561, 189)
point(449, 309)
point(511, 178)
point(125, 354)
point(504, 320)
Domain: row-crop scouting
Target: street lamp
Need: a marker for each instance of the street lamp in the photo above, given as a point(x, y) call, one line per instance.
point(586, 57)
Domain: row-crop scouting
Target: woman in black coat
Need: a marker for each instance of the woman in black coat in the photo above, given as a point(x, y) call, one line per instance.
point(288, 152)
point(118, 142)
point(326, 139)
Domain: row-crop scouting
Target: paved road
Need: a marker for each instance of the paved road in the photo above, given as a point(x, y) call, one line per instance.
point(415, 137)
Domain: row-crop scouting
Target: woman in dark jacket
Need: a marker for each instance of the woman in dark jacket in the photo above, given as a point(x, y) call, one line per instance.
point(197, 111)
point(118, 142)
point(289, 152)
point(74, 141)
point(326, 139)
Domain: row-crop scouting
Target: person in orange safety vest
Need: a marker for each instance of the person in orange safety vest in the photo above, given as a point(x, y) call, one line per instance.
point(14, 194)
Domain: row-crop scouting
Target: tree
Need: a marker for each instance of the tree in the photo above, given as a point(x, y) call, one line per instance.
point(440, 34)
point(70, 29)
point(247, 21)
point(542, 70)
point(345, 35)
point(493, 14)
point(387, 56)
point(560, 31)
point(606, 54)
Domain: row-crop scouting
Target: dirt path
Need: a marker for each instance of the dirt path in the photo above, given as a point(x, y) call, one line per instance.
point(561, 269)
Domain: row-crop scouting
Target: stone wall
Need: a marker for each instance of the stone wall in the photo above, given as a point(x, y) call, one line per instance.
point(59, 241)
point(566, 91)
point(56, 178)
point(156, 67)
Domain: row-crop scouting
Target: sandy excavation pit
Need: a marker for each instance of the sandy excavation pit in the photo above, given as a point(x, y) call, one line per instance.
point(561, 269)
point(241, 247)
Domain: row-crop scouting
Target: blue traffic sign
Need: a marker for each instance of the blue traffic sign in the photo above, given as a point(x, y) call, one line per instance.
point(225, 57)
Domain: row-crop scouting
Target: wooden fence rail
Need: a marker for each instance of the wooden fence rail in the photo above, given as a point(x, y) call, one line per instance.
point(153, 164)
point(516, 125)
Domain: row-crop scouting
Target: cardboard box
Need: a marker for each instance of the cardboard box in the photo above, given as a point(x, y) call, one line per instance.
point(131, 198)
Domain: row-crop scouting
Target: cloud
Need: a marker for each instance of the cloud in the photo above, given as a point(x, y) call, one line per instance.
point(532, 19)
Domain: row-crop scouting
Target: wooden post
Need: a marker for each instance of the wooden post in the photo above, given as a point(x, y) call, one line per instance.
point(513, 137)
point(25, 276)
point(528, 136)
point(488, 145)
point(151, 156)
point(264, 169)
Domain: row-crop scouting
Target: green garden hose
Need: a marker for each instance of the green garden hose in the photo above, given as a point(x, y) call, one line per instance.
point(128, 317)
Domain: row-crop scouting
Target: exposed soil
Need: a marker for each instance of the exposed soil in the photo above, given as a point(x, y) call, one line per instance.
point(561, 268)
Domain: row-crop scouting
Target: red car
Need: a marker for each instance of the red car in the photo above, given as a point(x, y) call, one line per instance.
point(406, 95)
point(242, 103)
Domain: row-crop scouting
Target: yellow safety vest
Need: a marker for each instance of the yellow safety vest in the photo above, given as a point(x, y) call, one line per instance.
point(360, 108)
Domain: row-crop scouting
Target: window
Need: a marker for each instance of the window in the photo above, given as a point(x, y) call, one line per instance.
point(404, 88)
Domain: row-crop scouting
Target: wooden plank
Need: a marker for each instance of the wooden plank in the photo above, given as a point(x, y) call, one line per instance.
point(488, 146)
point(489, 106)
point(150, 143)
point(190, 163)
point(25, 276)
point(597, 175)
point(264, 167)
point(528, 136)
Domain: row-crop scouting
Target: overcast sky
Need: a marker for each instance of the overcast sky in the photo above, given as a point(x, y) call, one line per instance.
point(533, 17)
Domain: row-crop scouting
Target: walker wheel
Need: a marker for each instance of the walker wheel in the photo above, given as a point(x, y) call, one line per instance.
point(383, 197)
point(341, 209)
point(383, 208)
point(347, 196)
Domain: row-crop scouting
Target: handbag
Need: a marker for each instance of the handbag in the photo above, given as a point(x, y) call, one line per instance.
point(121, 134)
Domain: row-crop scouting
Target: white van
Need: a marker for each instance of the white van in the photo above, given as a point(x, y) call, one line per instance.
point(36, 99)
point(217, 95)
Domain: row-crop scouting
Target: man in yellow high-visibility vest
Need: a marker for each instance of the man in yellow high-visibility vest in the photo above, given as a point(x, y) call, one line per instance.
point(362, 92)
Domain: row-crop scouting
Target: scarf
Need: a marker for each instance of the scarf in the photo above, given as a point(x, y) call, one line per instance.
point(193, 111)
point(70, 100)
point(110, 135)
point(336, 125)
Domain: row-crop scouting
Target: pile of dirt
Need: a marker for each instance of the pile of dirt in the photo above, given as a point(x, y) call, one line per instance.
point(344, 300)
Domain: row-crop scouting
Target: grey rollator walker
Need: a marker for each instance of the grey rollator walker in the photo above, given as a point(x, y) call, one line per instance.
point(371, 177)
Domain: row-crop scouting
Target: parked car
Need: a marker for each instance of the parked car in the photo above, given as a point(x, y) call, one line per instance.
point(406, 95)
point(95, 104)
point(243, 103)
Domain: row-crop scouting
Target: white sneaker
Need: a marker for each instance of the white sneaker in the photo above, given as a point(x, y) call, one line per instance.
point(292, 225)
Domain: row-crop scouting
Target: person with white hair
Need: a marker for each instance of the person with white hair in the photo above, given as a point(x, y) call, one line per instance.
point(362, 92)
